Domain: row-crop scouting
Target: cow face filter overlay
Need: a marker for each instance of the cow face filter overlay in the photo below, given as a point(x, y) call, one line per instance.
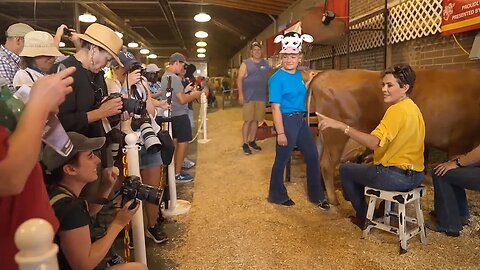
point(292, 42)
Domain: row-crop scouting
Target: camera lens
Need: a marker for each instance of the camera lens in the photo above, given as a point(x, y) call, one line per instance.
point(134, 106)
point(150, 139)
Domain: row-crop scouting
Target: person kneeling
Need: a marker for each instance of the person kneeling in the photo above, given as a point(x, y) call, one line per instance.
point(65, 178)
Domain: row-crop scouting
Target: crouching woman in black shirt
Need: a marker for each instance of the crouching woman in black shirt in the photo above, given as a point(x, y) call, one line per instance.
point(66, 177)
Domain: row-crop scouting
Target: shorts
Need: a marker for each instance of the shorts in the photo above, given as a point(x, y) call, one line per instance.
point(149, 160)
point(181, 128)
point(254, 111)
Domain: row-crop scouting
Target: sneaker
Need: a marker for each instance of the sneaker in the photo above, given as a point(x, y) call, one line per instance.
point(246, 149)
point(254, 146)
point(324, 205)
point(157, 234)
point(187, 164)
point(183, 178)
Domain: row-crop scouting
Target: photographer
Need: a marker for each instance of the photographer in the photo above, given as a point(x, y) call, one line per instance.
point(65, 178)
point(22, 192)
point(181, 127)
point(135, 86)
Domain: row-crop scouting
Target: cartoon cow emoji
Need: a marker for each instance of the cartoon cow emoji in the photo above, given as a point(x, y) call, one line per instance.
point(292, 42)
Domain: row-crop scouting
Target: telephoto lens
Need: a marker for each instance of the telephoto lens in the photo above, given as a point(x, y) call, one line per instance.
point(150, 139)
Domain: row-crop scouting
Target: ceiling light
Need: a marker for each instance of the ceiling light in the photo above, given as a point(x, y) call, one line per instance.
point(202, 17)
point(61, 44)
point(87, 18)
point(132, 44)
point(144, 51)
point(152, 56)
point(201, 55)
point(201, 50)
point(201, 44)
point(201, 34)
point(120, 35)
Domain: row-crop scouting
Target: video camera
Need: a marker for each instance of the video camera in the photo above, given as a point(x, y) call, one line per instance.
point(133, 189)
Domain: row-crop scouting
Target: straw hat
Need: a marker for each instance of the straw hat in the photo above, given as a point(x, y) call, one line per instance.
point(104, 37)
point(39, 43)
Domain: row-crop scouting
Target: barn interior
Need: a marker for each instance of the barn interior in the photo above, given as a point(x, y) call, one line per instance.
point(228, 222)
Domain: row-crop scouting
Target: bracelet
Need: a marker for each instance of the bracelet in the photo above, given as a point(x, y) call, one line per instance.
point(346, 130)
point(457, 162)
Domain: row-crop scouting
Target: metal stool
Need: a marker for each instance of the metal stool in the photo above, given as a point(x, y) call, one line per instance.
point(401, 199)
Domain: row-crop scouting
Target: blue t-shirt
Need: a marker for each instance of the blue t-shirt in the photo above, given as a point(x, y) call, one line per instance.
point(289, 91)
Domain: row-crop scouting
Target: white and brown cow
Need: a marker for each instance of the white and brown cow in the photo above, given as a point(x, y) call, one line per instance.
point(449, 101)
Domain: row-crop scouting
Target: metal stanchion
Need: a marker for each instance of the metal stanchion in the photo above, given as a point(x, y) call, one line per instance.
point(34, 240)
point(131, 149)
point(203, 113)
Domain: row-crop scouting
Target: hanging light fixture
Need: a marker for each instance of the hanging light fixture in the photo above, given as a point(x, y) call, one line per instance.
point(201, 50)
point(132, 44)
point(201, 55)
point(201, 44)
point(119, 34)
point(61, 44)
point(201, 34)
point(144, 51)
point(152, 56)
point(202, 17)
point(87, 18)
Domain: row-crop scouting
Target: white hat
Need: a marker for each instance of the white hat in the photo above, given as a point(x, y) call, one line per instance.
point(18, 30)
point(39, 43)
point(152, 68)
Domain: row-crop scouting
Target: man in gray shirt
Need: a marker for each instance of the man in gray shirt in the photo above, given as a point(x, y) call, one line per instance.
point(252, 83)
point(181, 128)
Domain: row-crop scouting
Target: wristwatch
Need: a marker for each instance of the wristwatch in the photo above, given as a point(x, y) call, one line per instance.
point(457, 161)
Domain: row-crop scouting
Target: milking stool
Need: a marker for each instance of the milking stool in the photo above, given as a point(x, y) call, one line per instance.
point(401, 199)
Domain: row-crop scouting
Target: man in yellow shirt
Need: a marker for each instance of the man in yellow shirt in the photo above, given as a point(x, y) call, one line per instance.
point(397, 143)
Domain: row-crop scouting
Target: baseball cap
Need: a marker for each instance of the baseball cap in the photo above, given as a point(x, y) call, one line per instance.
point(53, 160)
point(177, 57)
point(18, 30)
point(127, 59)
point(152, 68)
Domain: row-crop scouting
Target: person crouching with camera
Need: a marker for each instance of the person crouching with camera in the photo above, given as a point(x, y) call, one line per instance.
point(65, 178)
point(138, 102)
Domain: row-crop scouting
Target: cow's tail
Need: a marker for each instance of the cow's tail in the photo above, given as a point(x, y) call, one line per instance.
point(310, 94)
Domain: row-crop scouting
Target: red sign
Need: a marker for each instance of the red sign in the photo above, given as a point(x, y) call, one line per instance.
point(460, 16)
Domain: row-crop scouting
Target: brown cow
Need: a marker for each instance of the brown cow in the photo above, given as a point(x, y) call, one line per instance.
point(449, 101)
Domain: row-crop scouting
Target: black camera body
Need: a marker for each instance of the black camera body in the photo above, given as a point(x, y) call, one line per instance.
point(130, 105)
point(133, 189)
point(143, 71)
point(67, 32)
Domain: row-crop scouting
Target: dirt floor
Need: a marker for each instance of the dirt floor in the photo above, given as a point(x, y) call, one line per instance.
point(232, 226)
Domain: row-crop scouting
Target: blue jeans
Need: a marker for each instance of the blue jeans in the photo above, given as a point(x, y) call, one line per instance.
point(451, 206)
point(298, 134)
point(356, 176)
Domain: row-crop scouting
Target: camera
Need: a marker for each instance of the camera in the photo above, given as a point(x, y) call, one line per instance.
point(67, 32)
point(133, 189)
point(150, 139)
point(130, 105)
point(143, 71)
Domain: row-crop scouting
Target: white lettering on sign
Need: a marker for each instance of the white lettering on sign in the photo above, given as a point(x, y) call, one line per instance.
point(463, 14)
point(471, 5)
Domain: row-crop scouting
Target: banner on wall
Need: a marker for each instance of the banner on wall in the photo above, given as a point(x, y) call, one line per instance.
point(460, 16)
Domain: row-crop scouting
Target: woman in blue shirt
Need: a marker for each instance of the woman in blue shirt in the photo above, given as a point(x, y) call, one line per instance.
point(288, 94)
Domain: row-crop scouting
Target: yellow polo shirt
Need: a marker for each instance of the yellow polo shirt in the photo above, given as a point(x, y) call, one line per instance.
point(402, 135)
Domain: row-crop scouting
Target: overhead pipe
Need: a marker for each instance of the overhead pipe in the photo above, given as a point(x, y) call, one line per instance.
point(172, 23)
